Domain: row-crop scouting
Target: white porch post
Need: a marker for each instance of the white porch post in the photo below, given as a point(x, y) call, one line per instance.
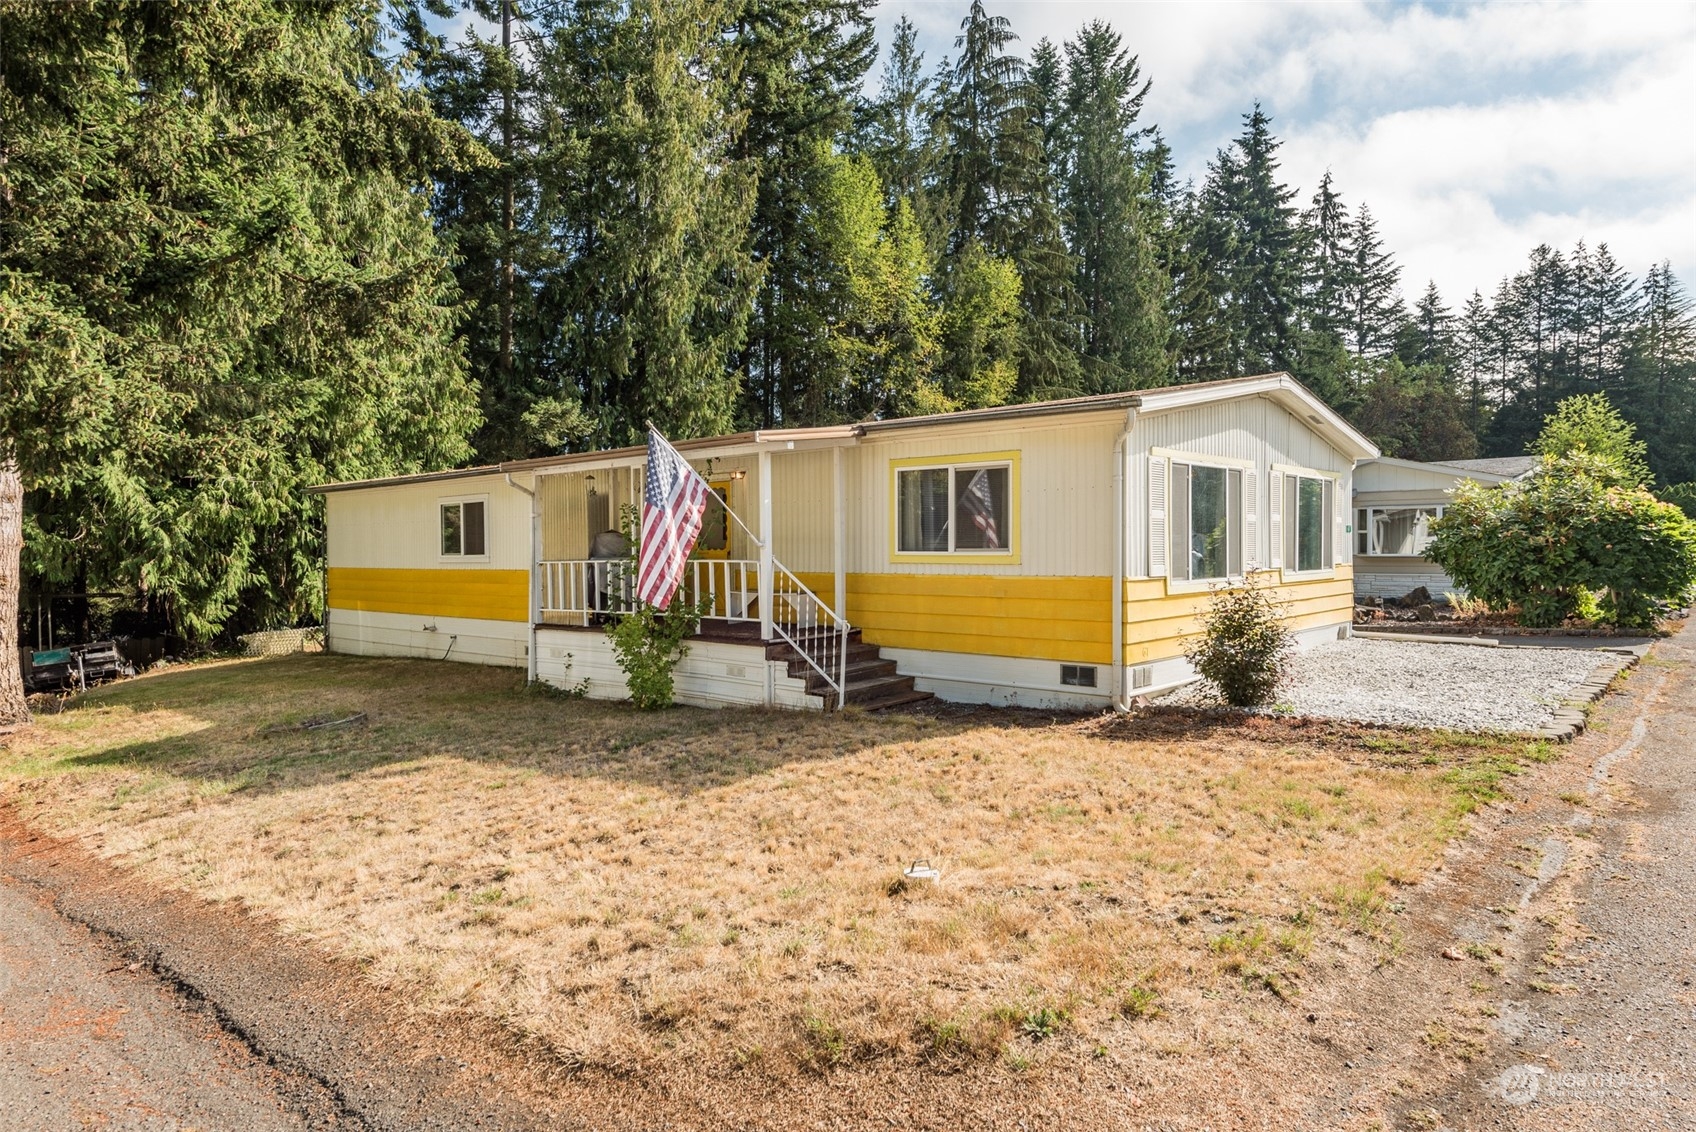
point(840, 545)
point(535, 573)
point(765, 546)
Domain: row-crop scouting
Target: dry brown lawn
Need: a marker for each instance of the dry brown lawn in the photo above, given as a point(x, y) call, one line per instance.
point(727, 886)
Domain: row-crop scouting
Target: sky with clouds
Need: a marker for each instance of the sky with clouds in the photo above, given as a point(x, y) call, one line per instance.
point(1474, 132)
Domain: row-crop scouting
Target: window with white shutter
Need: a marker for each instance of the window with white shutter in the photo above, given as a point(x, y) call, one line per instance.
point(1251, 520)
point(1275, 520)
point(1158, 538)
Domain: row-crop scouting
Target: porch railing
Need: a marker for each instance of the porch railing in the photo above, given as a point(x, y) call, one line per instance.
point(810, 627)
point(580, 591)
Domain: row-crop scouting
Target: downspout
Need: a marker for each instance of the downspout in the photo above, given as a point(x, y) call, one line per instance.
point(1121, 683)
point(531, 614)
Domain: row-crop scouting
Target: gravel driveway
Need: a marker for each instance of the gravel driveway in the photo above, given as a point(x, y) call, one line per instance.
point(1419, 684)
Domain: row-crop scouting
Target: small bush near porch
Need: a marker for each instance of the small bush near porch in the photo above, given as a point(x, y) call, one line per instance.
point(727, 887)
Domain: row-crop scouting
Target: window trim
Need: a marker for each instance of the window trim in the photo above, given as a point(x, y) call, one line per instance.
point(1010, 556)
point(1367, 529)
point(450, 500)
point(1175, 585)
point(1292, 527)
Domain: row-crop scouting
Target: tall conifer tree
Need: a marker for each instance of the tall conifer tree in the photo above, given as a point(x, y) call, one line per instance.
point(649, 306)
point(1112, 213)
point(218, 286)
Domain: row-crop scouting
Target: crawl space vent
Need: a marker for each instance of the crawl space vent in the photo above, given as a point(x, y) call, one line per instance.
point(1142, 676)
point(1077, 675)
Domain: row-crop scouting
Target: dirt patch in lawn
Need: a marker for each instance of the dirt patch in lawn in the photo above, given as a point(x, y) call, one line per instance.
point(724, 890)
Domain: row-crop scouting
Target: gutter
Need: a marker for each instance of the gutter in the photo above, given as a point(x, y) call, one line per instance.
point(1121, 559)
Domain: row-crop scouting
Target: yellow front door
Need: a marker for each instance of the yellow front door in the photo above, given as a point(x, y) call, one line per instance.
point(715, 527)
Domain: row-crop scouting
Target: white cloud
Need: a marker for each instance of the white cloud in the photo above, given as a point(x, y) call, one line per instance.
point(1474, 132)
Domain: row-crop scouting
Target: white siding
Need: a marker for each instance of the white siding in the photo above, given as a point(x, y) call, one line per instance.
point(399, 527)
point(712, 674)
point(1398, 576)
point(1376, 475)
point(463, 640)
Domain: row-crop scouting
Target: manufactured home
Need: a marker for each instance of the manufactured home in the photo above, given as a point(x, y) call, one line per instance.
point(1395, 503)
point(1047, 554)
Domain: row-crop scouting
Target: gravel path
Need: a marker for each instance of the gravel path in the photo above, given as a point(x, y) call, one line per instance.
point(1418, 684)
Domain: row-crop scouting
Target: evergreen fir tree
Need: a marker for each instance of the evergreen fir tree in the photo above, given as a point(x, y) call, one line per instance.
point(797, 67)
point(1371, 294)
point(1113, 215)
point(649, 306)
point(219, 287)
point(1255, 247)
point(1328, 277)
point(1432, 334)
point(488, 214)
point(1660, 375)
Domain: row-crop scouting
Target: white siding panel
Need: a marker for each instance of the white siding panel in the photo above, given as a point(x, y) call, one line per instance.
point(399, 527)
point(1066, 493)
point(461, 639)
point(713, 674)
point(803, 503)
point(1375, 475)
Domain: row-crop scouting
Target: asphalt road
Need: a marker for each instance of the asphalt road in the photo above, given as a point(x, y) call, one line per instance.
point(88, 1042)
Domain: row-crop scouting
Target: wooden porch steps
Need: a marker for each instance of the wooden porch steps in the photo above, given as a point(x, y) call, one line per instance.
point(873, 682)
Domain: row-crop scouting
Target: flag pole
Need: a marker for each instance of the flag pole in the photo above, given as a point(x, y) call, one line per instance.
point(728, 509)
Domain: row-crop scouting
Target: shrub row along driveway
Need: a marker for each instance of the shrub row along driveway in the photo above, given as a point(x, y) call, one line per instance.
point(1422, 684)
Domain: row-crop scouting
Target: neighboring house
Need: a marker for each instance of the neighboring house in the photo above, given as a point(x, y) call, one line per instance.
point(1052, 554)
point(1395, 502)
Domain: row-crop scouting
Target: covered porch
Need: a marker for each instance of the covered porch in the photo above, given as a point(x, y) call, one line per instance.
point(770, 568)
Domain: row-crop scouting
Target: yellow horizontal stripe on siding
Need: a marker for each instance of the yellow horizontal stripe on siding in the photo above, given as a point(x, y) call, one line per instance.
point(1050, 618)
point(1184, 623)
point(488, 595)
point(1139, 651)
point(1035, 618)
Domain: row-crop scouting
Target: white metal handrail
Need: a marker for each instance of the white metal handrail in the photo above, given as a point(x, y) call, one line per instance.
point(812, 628)
point(584, 589)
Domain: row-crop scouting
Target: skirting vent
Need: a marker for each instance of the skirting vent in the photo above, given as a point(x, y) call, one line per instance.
point(1077, 675)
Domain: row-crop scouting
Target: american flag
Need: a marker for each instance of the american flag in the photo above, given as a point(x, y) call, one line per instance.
point(673, 505)
point(979, 505)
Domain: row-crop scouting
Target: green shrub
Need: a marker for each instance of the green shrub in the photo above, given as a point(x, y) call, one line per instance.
point(1244, 647)
point(1589, 424)
point(1565, 534)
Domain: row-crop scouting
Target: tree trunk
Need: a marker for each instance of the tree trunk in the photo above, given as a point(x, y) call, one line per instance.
point(14, 708)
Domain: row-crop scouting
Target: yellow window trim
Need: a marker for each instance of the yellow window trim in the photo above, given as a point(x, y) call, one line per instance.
point(1008, 557)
